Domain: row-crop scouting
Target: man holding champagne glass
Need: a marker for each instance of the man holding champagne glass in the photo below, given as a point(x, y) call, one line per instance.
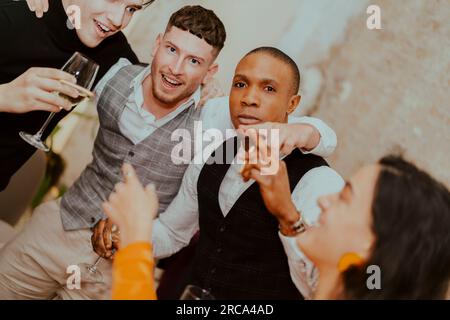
point(85, 71)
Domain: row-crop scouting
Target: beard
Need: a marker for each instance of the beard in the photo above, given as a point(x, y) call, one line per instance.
point(170, 100)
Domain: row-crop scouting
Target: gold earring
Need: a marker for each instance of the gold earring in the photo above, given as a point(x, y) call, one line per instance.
point(349, 260)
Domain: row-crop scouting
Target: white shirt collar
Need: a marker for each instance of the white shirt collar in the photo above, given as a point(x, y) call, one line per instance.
point(196, 96)
point(137, 81)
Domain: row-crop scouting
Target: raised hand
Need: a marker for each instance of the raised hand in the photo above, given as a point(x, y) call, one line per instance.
point(273, 182)
point(291, 136)
point(132, 208)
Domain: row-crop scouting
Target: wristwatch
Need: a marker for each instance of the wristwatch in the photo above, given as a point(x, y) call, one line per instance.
point(298, 227)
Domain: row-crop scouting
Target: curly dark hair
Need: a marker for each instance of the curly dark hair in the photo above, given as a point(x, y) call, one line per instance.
point(411, 224)
point(202, 23)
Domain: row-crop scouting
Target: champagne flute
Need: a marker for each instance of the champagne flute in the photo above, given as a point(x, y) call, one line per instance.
point(85, 71)
point(196, 293)
point(90, 272)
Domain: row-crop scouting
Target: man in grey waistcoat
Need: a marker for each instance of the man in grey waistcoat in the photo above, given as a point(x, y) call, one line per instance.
point(139, 108)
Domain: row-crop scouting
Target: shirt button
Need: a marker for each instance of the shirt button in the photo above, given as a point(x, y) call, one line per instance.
point(219, 250)
point(131, 154)
point(93, 220)
point(222, 229)
point(213, 270)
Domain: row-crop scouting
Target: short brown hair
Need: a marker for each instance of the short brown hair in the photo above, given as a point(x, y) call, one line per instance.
point(202, 23)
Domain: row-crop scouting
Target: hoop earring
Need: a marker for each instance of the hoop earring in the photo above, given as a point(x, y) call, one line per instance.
point(349, 260)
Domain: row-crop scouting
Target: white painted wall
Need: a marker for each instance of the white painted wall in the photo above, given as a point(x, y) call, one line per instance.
point(317, 26)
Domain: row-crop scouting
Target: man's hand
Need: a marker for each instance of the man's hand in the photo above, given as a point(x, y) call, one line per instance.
point(35, 90)
point(291, 136)
point(210, 91)
point(274, 188)
point(103, 240)
point(133, 208)
point(39, 7)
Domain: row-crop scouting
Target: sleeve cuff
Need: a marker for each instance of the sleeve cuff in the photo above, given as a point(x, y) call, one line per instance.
point(138, 250)
point(291, 248)
point(328, 139)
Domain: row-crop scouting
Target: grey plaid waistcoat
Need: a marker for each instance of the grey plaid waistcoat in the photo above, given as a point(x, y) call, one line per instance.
point(81, 205)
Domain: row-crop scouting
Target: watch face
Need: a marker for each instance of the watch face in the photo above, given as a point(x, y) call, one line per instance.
point(300, 229)
point(300, 226)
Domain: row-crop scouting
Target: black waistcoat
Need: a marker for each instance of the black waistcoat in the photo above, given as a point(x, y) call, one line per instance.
point(241, 256)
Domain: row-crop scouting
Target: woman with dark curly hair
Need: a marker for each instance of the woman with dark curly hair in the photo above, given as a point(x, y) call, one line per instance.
point(391, 216)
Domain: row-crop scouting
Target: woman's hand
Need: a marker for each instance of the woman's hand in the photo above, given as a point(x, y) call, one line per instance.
point(132, 208)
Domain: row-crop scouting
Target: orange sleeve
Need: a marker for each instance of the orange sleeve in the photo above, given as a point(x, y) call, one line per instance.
point(133, 273)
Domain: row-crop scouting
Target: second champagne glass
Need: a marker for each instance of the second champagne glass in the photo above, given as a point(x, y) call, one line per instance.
point(192, 292)
point(90, 272)
point(85, 70)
